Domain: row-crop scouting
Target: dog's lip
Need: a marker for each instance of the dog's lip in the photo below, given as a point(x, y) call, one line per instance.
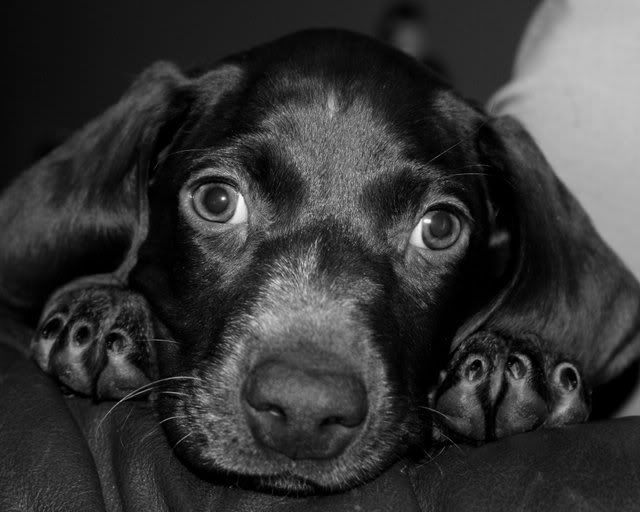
point(289, 482)
point(288, 479)
point(305, 476)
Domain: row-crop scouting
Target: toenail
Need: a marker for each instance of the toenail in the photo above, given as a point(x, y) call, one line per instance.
point(51, 328)
point(474, 370)
point(517, 367)
point(82, 335)
point(568, 378)
point(115, 341)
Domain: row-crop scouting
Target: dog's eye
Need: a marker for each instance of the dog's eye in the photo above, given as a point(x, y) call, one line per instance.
point(219, 202)
point(437, 230)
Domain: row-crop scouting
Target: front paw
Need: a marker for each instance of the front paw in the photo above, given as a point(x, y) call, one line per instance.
point(495, 387)
point(96, 338)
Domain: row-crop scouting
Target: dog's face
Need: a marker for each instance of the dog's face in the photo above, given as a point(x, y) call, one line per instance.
point(319, 227)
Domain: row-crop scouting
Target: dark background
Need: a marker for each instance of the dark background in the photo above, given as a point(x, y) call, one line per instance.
point(67, 60)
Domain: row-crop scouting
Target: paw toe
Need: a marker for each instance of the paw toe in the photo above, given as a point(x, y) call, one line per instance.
point(522, 406)
point(44, 339)
point(122, 373)
point(94, 340)
point(494, 388)
point(569, 395)
point(462, 396)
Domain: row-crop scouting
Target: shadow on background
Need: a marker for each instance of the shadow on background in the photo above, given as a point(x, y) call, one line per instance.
point(66, 61)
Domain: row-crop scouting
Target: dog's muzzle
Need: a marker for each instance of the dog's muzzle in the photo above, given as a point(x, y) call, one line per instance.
point(303, 407)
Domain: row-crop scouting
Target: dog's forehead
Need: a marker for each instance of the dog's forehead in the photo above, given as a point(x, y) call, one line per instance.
point(343, 137)
point(330, 138)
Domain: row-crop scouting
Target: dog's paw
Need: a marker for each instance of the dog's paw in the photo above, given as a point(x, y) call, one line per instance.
point(494, 387)
point(95, 337)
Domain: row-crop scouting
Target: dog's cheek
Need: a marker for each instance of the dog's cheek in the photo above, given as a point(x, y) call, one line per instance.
point(208, 430)
point(430, 303)
point(195, 288)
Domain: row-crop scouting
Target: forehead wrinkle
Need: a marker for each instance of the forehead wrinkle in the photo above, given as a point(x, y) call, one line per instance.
point(254, 154)
point(405, 192)
point(337, 146)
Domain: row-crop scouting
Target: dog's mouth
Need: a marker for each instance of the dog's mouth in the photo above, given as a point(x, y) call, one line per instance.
point(289, 477)
point(303, 422)
point(254, 466)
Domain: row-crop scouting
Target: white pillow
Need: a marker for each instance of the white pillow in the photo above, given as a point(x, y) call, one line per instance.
point(576, 87)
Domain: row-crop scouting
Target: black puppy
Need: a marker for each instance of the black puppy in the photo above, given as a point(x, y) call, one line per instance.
point(321, 256)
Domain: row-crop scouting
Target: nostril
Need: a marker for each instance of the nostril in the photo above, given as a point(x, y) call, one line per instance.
point(271, 409)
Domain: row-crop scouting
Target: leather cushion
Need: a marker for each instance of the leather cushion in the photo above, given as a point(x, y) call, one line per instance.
point(68, 454)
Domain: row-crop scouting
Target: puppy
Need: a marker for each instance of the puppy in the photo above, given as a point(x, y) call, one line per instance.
point(318, 258)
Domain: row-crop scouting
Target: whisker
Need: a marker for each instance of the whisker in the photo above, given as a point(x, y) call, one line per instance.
point(179, 417)
point(176, 393)
point(432, 459)
point(165, 340)
point(192, 150)
point(133, 394)
point(475, 165)
point(435, 411)
point(446, 151)
point(453, 146)
point(468, 174)
point(126, 418)
point(148, 435)
point(500, 176)
point(451, 441)
point(182, 439)
point(143, 389)
point(155, 428)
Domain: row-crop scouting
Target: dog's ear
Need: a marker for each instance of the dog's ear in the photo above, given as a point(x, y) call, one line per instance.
point(80, 210)
point(563, 285)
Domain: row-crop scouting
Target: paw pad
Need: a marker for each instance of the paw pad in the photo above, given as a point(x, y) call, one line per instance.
point(95, 338)
point(494, 387)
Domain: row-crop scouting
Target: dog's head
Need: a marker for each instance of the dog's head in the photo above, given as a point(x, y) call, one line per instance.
point(319, 226)
point(313, 221)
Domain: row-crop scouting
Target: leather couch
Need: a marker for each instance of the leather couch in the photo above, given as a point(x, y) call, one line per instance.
point(70, 454)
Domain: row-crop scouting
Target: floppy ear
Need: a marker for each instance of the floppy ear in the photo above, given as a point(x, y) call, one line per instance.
point(81, 209)
point(565, 286)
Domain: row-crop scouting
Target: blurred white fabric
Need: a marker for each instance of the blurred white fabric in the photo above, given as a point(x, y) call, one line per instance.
point(576, 88)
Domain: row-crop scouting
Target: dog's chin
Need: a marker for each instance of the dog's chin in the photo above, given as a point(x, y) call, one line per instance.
point(261, 469)
point(292, 479)
point(284, 483)
point(291, 484)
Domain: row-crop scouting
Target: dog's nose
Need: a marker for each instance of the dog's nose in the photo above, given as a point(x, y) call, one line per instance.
point(302, 411)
